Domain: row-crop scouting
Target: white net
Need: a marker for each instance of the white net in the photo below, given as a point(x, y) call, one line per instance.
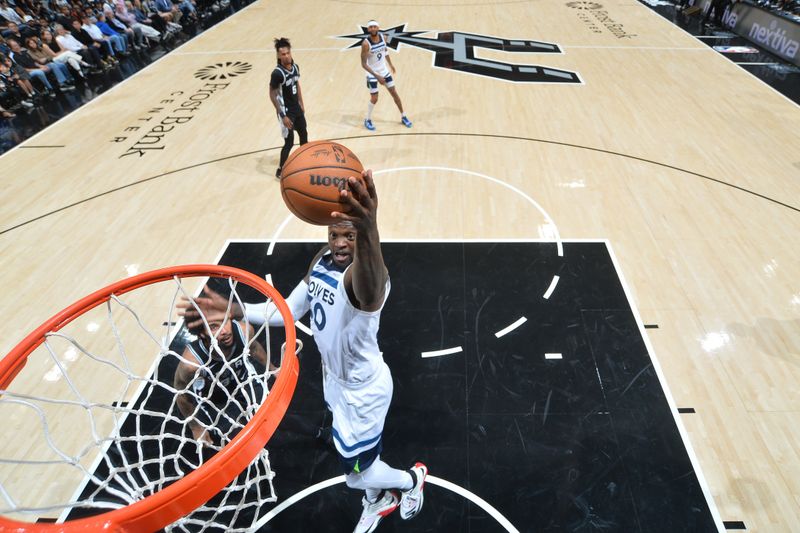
point(120, 404)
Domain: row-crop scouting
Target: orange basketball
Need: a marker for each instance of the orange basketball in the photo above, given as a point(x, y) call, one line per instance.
point(312, 178)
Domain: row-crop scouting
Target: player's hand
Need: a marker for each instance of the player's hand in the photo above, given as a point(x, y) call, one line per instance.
point(212, 304)
point(288, 122)
point(363, 201)
point(381, 80)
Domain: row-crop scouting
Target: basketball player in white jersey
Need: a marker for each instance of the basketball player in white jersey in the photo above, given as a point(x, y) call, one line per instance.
point(374, 59)
point(345, 289)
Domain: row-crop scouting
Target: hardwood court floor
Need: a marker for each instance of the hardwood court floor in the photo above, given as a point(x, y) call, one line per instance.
point(685, 163)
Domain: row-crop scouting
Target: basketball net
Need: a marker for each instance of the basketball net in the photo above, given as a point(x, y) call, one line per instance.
point(94, 419)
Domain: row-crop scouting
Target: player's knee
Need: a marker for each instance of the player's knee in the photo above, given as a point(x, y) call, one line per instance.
point(373, 98)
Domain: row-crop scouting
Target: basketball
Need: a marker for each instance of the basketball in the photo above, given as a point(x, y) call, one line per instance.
point(312, 178)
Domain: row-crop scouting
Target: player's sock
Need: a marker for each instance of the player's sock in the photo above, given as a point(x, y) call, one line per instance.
point(373, 495)
point(370, 107)
point(379, 475)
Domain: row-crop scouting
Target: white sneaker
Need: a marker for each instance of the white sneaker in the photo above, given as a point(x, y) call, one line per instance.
point(373, 513)
point(411, 501)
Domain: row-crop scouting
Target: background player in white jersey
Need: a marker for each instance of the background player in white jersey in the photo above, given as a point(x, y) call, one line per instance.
point(345, 289)
point(374, 59)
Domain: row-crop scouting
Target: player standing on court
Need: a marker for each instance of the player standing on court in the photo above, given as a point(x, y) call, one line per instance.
point(374, 58)
point(345, 289)
point(286, 96)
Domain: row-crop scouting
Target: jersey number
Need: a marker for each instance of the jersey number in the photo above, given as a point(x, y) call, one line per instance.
point(319, 317)
point(294, 89)
point(379, 56)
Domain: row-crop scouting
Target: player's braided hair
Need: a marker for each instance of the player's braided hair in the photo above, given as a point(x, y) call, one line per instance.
point(281, 42)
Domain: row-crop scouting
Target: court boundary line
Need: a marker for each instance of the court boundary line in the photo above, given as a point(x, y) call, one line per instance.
point(695, 461)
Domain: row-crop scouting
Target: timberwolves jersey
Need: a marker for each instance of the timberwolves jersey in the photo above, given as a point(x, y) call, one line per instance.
point(213, 370)
point(347, 337)
point(288, 81)
point(377, 56)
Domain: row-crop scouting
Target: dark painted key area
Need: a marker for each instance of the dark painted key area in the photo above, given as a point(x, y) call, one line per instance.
point(582, 443)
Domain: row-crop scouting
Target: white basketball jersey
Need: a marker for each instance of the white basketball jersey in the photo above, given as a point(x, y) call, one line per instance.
point(377, 56)
point(347, 337)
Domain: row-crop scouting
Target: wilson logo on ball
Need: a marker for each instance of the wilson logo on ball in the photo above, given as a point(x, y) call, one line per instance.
point(316, 179)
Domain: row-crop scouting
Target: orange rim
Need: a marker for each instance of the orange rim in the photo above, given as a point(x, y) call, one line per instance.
point(186, 494)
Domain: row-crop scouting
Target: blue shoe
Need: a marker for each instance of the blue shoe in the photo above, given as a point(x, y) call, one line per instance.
point(406, 122)
point(368, 124)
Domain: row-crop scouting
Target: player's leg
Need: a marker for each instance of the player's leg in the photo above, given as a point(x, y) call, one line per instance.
point(396, 97)
point(372, 85)
point(288, 141)
point(302, 128)
point(378, 479)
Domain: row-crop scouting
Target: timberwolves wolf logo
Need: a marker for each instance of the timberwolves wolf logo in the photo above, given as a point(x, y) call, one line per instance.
point(455, 50)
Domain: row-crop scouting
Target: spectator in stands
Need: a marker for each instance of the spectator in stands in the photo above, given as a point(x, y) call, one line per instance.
point(13, 74)
point(119, 42)
point(83, 37)
point(168, 11)
point(51, 50)
point(135, 37)
point(65, 41)
point(12, 31)
point(123, 12)
point(12, 95)
point(35, 70)
point(97, 35)
point(11, 15)
point(38, 70)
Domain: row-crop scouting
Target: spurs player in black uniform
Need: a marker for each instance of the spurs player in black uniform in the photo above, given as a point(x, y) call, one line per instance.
point(286, 96)
point(214, 376)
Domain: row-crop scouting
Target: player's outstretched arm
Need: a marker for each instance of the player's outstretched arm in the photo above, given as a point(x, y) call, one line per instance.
point(366, 278)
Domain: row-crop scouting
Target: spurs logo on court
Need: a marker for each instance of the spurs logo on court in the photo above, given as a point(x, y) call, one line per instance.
point(455, 50)
point(223, 71)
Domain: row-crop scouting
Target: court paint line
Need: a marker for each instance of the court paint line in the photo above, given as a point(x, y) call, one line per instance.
point(541, 210)
point(712, 505)
point(375, 135)
point(432, 480)
point(553, 356)
point(446, 351)
point(593, 47)
point(551, 288)
point(511, 328)
point(278, 233)
point(756, 63)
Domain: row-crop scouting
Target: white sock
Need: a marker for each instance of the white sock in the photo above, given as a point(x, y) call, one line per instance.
point(370, 107)
point(372, 494)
